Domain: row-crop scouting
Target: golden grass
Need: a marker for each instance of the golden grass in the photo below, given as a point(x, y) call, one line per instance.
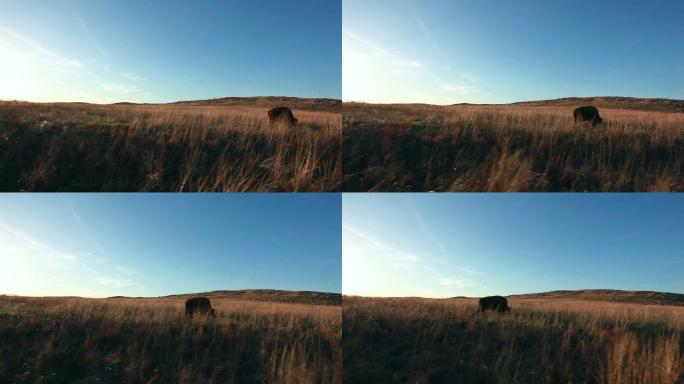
point(151, 341)
point(540, 341)
point(509, 148)
point(82, 147)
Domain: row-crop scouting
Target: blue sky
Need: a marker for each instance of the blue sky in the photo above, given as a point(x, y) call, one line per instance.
point(445, 245)
point(499, 51)
point(98, 245)
point(160, 51)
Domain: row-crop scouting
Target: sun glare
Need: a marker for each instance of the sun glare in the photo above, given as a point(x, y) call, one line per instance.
point(17, 75)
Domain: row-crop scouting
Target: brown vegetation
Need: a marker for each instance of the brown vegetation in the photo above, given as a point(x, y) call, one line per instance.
point(151, 341)
point(183, 147)
point(412, 340)
point(272, 295)
point(509, 148)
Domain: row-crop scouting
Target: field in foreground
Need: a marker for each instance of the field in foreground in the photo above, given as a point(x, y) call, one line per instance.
point(213, 145)
point(413, 340)
point(59, 340)
point(520, 147)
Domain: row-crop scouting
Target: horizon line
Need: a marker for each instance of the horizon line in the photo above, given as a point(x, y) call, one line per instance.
point(168, 102)
point(509, 103)
point(509, 295)
point(166, 295)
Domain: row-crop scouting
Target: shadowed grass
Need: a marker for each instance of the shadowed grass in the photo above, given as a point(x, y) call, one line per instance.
point(540, 341)
point(82, 147)
point(509, 148)
point(151, 341)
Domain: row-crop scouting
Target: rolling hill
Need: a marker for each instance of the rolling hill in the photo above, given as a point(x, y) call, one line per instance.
point(612, 295)
point(329, 105)
point(616, 102)
point(272, 295)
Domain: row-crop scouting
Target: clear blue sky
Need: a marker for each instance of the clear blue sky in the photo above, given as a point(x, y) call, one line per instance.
point(153, 51)
point(444, 245)
point(451, 51)
point(97, 245)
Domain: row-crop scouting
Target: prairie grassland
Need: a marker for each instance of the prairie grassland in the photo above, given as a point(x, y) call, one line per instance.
point(509, 148)
point(411, 340)
point(150, 341)
point(83, 147)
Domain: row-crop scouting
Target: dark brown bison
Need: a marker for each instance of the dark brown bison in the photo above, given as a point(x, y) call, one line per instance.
point(282, 114)
point(494, 303)
point(198, 305)
point(587, 113)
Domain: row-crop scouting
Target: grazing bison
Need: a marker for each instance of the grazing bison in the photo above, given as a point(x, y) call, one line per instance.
point(587, 113)
point(198, 305)
point(282, 113)
point(494, 303)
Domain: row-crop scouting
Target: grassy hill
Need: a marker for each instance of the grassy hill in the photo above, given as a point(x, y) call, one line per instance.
point(615, 102)
point(272, 295)
point(150, 340)
point(330, 105)
point(542, 340)
point(612, 102)
point(197, 146)
point(612, 295)
point(532, 146)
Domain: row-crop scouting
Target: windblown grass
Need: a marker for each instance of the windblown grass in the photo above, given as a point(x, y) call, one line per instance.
point(540, 341)
point(509, 148)
point(82, 147)
point(151, 341)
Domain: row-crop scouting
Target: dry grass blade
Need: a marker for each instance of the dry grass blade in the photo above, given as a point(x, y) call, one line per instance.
point(509, 148)
point(82, 147)
point(150, 340)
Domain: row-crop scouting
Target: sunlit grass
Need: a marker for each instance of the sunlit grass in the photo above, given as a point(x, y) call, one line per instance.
point(81, 147)
point(539, 341)
point(151, 340)
point(509, 148)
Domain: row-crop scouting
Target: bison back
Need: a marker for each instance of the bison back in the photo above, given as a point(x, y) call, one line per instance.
point(200, 305)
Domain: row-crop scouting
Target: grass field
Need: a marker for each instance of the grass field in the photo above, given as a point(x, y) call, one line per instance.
point(412, 340)
point(174, 147)
point(511, 148)
point(60, 340)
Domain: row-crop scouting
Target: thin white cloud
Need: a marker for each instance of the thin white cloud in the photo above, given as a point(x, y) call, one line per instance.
point(428, 36)
point(472, 78)
point(121, 88)
point(132, 77)
point(20, 246)
point(89, 36)
point(403, 272)
point(26, 243)
point(456, 282)
point(115, 282)
point(126, 270)
point(382, 249)
point(461, 89)
point(36, 49)
point(87, 232)
point(370, 48)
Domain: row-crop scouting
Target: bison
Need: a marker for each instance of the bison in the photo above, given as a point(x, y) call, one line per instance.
point(494, 303)
point(198, 305)
point(282, 114)
point(587, 113)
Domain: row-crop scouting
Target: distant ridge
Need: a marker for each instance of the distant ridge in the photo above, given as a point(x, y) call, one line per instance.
point(322, 104)
point(661, 105)
point(273, 295)
point(616, 102)
point(612, 295)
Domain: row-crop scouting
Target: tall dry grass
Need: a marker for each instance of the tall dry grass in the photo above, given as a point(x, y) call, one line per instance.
point(540, 341)
point(151, 341)
point(509, 148)
point(81, 147)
